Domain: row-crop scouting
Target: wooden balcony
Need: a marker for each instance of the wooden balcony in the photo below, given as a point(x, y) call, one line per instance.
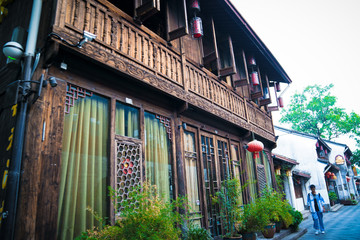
point(130, 48)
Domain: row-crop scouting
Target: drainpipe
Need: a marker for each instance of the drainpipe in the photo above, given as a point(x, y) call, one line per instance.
point(15, 167)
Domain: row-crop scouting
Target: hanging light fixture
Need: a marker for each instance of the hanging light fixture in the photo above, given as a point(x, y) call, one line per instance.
point(255, 78)
point(281, 103)
point(277, 87)
point(278, 170)
point(196, 26)
point(252, 61)
point(255, 147)
point(195, 5)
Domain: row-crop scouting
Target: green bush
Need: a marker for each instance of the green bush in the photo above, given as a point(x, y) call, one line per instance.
point(297, 219)
point(332, 196)
point(196, 232)
point(254, 217)
point(144, 216)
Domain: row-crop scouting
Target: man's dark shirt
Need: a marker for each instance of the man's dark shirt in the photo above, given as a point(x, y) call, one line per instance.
point(316, 204)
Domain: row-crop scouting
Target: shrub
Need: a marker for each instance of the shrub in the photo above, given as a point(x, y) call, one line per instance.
point(254, 217)
point(144, 216)
point(196, 232)
point(297, 219)
point(332, 196)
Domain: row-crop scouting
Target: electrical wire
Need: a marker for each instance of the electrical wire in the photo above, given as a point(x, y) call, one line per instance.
point(65, 41)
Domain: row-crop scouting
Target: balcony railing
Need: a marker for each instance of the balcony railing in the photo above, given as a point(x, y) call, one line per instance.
point(119, 38)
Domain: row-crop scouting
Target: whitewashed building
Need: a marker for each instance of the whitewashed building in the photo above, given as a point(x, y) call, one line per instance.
point(320, 162)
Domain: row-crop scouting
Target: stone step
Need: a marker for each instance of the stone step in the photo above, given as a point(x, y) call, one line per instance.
point(336, 207)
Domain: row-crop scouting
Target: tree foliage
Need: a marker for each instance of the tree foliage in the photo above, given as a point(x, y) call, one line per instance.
point(314, 111)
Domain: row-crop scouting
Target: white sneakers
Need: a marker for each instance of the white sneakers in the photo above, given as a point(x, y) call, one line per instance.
point(316, 232)
point(322, 232)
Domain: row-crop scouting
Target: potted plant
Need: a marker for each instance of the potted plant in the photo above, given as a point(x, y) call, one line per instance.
point(230, 207)
point(253, 219)
point(196, 232)
point(332, 197)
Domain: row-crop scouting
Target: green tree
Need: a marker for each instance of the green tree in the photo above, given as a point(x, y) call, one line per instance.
point(314, 111)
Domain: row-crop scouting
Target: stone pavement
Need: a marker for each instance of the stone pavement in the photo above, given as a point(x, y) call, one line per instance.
point(344, 224)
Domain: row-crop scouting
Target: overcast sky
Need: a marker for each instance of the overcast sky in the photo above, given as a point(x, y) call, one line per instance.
point(315, 41)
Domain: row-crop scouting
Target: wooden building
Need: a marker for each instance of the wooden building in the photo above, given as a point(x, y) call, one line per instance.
point(147, 98)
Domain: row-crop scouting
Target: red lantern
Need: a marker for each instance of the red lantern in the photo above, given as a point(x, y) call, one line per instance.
point(195, 5)
point(321, 147)
point(277, 86)
point(196, 26)
point(325, 151)
point(255, 147)
point(281, 103)
point(255, 78)
point(317, 144)
point(252, 61)
point(347, 179)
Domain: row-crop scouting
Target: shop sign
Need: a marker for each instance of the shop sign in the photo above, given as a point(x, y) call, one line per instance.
point(339, 160)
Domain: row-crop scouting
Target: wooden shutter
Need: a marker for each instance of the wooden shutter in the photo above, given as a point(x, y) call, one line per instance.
point(266, 101)
point(176, 19)
point(261, 177)
point(146, 8)
point(210, 52)
point(229, 70)
point(241, 77)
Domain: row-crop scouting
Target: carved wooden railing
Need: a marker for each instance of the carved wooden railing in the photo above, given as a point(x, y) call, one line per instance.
point(118, 37)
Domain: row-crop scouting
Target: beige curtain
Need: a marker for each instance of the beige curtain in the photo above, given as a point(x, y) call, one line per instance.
point(191, 171)
point(126, 121)
point(84, 163)
point(157, 155)
point(250, 163)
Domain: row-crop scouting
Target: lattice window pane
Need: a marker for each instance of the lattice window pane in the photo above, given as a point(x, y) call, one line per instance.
point(128, 170)
point(261, 177)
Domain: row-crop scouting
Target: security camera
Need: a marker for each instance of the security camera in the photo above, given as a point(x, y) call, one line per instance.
point(87, 37)
point(13, 50)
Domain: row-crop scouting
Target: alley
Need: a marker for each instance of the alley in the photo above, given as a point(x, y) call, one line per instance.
point(343, 224)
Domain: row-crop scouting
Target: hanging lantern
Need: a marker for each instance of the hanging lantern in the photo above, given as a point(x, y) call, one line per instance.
point(321, 148)
point(195, 5)
point(347, 179)
point(255, 147)
point(317, 144)
point(332, 174)
point(288, 173)
point(277, 86)
point(196, 26)
point(281, 103)
point(325, 151)
point(334, 177)
point(252, 61)
point(278, 170)
point(255, 78)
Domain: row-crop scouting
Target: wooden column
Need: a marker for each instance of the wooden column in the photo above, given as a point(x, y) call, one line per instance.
point(39, 184)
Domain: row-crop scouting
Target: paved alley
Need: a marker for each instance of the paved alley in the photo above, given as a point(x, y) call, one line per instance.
point(341, 225)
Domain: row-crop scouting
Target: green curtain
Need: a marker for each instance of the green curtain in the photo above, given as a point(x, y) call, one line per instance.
point(250, 164)
point(126, 121)
point(84, 166)
point(236, 164)
point(191, 171)
point(267, 169)
point(157, 155)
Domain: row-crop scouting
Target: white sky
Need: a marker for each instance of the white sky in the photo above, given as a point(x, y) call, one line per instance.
point(315, 41)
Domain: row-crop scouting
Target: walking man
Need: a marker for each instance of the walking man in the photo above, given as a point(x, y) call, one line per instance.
point(315, 203)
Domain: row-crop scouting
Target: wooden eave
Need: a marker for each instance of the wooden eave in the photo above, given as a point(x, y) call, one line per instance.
point(226, 14)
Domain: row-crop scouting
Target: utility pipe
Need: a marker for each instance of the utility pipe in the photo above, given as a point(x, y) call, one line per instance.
point(15, 167)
